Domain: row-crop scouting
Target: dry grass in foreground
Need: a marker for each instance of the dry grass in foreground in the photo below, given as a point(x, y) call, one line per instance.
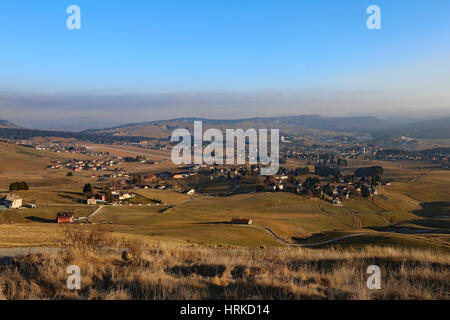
point(170, 271)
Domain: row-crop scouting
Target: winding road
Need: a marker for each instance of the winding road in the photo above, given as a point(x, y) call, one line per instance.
point(276, 237)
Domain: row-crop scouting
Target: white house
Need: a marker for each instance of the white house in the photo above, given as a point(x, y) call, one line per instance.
point(11, 201)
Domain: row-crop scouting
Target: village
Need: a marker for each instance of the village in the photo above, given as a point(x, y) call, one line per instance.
point(315, 171)
point(324, 183)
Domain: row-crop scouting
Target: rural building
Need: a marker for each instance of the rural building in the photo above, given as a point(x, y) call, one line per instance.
point(65, 217)
point(241, 221)
point(11, 201)
point(92, 201)
point(126, 196)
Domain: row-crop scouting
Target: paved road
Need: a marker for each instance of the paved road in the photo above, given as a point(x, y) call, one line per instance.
point(95, 212)
point(276, 237)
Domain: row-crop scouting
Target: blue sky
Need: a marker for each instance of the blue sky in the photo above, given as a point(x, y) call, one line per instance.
point(244, 49)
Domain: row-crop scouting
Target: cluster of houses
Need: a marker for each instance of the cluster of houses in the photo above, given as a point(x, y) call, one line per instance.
point(335, 193)
point(146, 144)
point(85, 165)
point(326, 154)
point(117, 196)
point(339, 148)
point(63, 148)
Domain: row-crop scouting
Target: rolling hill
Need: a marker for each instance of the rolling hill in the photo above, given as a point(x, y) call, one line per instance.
point(5, 124)
point(432, 129)
point(425, 129)
point(293, 125)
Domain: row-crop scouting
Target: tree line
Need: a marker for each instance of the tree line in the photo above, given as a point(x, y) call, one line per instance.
point(25, 134)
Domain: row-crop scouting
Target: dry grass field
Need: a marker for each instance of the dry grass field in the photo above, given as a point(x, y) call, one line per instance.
point(165, 270)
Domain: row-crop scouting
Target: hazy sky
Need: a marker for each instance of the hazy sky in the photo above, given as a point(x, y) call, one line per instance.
point(144, 60)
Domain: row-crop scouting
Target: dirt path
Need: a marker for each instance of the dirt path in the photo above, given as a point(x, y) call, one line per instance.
point(95, 212)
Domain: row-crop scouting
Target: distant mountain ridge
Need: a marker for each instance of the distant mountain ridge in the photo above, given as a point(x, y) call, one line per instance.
point(302, 124)
point(5, 124)
point(290, 125)
point(163, 128)
point(425, 129)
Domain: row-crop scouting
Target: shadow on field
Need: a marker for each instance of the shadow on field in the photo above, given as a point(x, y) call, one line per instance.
point(204, 270)
point(214, 223)
point(434, 209)
point(430, 226)
point(73, 196)
point(41, 220)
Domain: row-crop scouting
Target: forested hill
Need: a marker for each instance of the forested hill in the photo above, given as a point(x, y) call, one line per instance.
point(25, 134)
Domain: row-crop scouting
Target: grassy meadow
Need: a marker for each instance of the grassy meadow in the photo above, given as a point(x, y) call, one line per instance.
point(165, 270)
point(412, 211)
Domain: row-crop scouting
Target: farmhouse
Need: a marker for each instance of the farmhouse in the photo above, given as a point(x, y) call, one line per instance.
point(180, 176)
point(91, 201)
point(65, 217)
point(11, 201)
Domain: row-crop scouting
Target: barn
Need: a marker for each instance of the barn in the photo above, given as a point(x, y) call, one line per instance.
point(65, 217)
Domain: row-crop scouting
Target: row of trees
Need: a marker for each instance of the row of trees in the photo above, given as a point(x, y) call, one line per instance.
point(26, 134)
point(18, 186)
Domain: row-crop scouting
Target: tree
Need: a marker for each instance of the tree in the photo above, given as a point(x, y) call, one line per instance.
point(342, 163)
point(365, 191)
point(87, 190)
point(18, 186)
point(376, 171)
point(69, 174)
point(325, 171)
point(302, 171)
point(311, 182)
point(328, 189)
point(108, 195)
